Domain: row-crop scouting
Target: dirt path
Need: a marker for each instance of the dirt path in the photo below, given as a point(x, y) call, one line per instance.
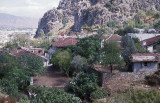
point(51, 78)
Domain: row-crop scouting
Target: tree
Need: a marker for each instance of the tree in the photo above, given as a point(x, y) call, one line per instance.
point(83, 84)
point(110, 54)
point(33, 62)
point(129, 48)
point(129, 30)
point(12, 75)
point(157, 25)
point(138, 45)
point(157, 15)
point(41, 33)
point(101, 31)
point(88, 47)
point(125, 31)
point(150, 13)
point(79, 64)
point(52, 95)
point(21, 40)
point(64, 59)
point(54, 60)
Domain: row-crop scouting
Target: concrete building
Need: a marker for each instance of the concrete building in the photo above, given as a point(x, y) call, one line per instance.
point(151, 44)
point(142, 36)
point(62, 43)
point(144, 62)
point(113, 37)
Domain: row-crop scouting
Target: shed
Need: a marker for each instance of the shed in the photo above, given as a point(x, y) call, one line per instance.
point(144, 62)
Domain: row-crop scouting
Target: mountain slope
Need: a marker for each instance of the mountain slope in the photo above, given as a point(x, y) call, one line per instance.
point(75, 14)
point(11, 21)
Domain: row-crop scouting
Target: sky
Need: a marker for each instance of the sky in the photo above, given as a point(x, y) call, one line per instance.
point(27, 8)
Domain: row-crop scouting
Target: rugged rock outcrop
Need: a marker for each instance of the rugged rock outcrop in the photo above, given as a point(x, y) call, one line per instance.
point(73, 14)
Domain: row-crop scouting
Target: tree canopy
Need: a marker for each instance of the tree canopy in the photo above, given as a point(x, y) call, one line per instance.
point(110, 54)
point(52, 95)
point(33, 62)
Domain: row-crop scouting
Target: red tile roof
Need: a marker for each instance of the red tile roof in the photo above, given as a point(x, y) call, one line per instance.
point(111, 37)
point(65, 42)
point(151, 41)
point(144, 57)
point(19, 52)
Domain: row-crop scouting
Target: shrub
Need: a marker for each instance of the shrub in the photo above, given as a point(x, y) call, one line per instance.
point(99, 94)
point(83, 84)
point(137, 96)
point(52, 95)
point(154, 79)
point(79, 64)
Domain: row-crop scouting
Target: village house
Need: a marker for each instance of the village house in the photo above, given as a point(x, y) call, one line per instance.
point(113, 37)
point(62, 43)
point(144, 62)
point(142, 36)
point(151, 44)
point(33, 51)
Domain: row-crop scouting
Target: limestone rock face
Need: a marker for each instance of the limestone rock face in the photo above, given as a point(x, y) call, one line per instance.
point(73, 14)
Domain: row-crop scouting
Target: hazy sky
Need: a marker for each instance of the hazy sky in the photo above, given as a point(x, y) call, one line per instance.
point(28, 8)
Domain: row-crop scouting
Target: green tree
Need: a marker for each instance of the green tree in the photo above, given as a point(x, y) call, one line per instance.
point(112, 24)
point(101, 31)
point(125, 31)
point(150, 13)
point(88, 47)
point(52, 95)
point(138, 45)
point(41, 33)
point(157, 15)
point(157, 25)
point(32, 62)
point(21, 40)
point(79, 64)
point(110, 54)
point(64, 59)
point(129, 48)
point(54, 60)
point(83, 84)
point(12, 75)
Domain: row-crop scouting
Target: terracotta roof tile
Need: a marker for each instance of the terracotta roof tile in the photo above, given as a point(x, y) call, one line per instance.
point(111, 37)
point(65, 42)
point(151, 41)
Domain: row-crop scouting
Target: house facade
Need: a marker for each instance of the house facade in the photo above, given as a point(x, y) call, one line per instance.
point(142, 36)
point(33, 51)
point(61, 43)
point(113, 37)
point(151, 44)
point(144, 62)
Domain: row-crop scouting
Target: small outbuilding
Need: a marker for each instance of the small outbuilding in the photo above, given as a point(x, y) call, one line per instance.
point(144, 62)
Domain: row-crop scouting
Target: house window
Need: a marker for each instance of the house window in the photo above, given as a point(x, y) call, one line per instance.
point(145, 64)
point(39, 51)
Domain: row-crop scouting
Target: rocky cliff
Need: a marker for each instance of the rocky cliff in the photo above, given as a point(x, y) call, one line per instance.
point(73, 14)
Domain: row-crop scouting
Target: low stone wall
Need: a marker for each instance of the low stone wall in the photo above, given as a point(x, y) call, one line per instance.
point(118, 81)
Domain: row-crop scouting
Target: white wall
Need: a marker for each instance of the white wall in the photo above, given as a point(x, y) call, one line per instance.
point(142, 37)
point(150, 49)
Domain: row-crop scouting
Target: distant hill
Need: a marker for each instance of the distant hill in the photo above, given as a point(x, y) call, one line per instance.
point(11, 21)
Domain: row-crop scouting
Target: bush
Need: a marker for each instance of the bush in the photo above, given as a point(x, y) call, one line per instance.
point(99, 94)
point(33, 62)
point(137, 96)
point(79, 64)
point(52, 95)
point(154, 79)
point(24, 99)
point(9, 87)
point(83, 84)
